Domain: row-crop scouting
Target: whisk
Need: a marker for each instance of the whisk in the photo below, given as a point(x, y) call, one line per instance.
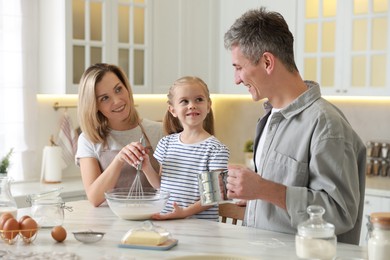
point(136, 190)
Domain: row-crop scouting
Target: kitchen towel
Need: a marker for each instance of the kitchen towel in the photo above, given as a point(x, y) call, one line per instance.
point(67, 139)
point(52, 164)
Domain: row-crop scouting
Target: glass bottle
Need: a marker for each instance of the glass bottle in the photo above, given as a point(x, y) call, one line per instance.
point(315, 238)
point(7, 202)
point(379, 241)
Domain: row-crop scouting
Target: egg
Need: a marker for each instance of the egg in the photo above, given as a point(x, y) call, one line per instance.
point(58, 233)
point(28, 227)
point(23, 218)
point(10, 228)
point(4, 217)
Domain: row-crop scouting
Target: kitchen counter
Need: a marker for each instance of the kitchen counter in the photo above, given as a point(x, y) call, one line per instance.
point(195, 237)
point(71, 189)
point(378, 186)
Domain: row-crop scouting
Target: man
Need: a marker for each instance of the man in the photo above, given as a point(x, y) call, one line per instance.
point(305, 151)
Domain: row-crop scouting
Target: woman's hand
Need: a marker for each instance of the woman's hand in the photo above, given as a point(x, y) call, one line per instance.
point(133, 154)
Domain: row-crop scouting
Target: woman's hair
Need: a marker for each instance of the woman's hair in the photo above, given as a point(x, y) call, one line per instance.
point(92, 122)
point(258, 31)
point(172, 124)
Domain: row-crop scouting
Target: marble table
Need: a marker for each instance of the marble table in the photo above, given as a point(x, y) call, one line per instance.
point(195, 237)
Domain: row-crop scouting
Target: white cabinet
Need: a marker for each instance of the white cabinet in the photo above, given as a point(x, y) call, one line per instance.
point(75, 34)
point(372, 204)
point(184, 42)
point(53, 47)
point(229, 11)
point(344, 45)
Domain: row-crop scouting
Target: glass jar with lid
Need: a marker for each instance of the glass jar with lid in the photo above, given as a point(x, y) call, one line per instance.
point(379, 241)
point(48, 208)
point(315, 238)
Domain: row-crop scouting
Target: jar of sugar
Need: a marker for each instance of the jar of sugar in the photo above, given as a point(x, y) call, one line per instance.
point(315, 238)
point(379, 241)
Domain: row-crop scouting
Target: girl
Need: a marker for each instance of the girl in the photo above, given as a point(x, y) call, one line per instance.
point(189, 149)
point(111, 128)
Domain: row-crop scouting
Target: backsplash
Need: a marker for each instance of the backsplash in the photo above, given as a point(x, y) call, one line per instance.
point(235, 119)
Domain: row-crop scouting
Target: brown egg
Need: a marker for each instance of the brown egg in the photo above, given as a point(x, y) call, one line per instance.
point(10, 228)
point(28, 227)
point(4, 218)
point(58, 233)
point(23, 218)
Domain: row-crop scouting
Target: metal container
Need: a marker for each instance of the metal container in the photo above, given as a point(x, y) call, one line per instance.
point(212, 187)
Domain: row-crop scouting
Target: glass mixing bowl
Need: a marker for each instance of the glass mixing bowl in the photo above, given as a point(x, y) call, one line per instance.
point(136, 206)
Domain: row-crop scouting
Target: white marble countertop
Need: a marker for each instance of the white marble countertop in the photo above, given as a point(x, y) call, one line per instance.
point(70, 188)
point(195, 237)
point(378, 186)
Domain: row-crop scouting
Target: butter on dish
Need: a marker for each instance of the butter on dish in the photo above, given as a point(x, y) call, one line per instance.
point(147, 234)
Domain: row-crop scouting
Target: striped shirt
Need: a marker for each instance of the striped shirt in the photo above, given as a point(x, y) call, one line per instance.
point(181, 164)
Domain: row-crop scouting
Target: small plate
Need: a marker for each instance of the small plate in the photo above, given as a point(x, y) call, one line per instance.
point(88, 236)
point(165, 246)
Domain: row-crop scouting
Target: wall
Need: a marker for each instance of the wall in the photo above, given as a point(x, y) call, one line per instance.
point(235, 118)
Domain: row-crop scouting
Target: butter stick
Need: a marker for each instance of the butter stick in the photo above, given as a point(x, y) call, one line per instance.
point(140, 237)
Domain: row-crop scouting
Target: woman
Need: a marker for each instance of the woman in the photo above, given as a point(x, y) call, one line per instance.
point(111, 129)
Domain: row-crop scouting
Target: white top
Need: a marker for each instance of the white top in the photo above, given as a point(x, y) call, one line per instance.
point(263, 135)
point(118, 139)
point(181, 164)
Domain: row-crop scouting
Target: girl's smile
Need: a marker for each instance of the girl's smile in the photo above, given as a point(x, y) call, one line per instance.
point(190, 104)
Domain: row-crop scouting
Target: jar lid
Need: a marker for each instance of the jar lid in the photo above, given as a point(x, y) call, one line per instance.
point(315, 226)
point(381, 218)
point(48, 201)
point(55, 193)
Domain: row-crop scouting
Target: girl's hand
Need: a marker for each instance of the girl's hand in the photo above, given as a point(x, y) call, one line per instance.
point(177, 213)
point(241, 203)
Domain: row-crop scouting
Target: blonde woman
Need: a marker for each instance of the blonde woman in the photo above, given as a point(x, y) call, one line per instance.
point(108, 147)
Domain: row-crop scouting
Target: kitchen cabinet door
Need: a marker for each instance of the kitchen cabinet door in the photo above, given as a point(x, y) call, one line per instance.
point(372, 204)
point(54, 36)
point(72, 37)
point(344, 45)
point(76, 34)
point(229, 11)
point(184, 42)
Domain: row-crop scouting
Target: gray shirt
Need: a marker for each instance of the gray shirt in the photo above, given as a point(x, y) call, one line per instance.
point(312, 149)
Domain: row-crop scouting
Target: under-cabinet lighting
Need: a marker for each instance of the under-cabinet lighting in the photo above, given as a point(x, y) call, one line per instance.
point(72, 98)
point(359, 99)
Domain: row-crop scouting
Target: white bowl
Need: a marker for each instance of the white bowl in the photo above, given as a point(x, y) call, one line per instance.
point(136, 206)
